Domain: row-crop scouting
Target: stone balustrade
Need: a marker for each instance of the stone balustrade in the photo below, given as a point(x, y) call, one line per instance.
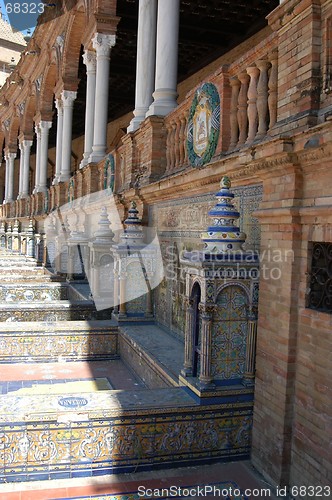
point(176, 127)
point(254, 82)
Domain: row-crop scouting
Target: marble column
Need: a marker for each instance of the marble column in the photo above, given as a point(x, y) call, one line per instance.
point(10, 158)
point(116, 289)
point(68, 98)
point(20, 178)
point(2, 194)
point(165, 93)
point(89, 59)
point(43, 160)
point(102, 44)
point(122, 305)
point(38, 136)
point(26, 168)
point(145, 64)
point(59, 133)
point(6, 180)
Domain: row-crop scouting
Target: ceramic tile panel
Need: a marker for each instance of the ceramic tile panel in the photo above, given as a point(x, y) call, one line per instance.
point(179, 224)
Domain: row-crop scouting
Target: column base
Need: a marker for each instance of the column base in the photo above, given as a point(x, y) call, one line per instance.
point(164, 102)
point(85, 159)
point(40, 189)
point(186, 372)
point(98, 154)
point(63, 178)
point(137, 120)
point(206, 384)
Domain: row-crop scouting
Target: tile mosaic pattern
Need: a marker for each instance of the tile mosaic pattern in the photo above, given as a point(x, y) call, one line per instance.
point(29, 293)
point(110, 431)
point(23, 345)
point(229, 334)
point(51, 312)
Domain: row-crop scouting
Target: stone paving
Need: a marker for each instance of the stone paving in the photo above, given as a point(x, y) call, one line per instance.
point(222, 477)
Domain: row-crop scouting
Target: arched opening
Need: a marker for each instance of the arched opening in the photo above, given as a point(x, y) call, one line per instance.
point(196, 333)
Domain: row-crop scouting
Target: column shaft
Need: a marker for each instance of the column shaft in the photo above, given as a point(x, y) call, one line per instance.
point(20, 180)
point(59, 133)
point(26, 166)
point(102, 44)
point(43, 161)
point(38, 135)
point(10, 158)
point(68, 98)
point(165, 93)
point(145, 66)
point(89, 59)
point(122, 305)
point(205, 376)
point(251, 351)
point(188, 346)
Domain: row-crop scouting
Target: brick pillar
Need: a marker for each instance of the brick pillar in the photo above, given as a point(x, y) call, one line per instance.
point(299, 26)
point(277, 322)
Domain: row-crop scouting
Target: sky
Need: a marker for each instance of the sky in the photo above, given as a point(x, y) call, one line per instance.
point(5, 15)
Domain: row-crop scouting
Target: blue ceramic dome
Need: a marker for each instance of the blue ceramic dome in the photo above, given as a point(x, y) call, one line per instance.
point(224, 235)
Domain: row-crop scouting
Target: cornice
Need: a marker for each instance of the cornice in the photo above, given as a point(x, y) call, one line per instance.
point(319, 153)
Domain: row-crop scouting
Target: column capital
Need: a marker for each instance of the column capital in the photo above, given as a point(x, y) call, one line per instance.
point(9, 155)
point(45, 125)
point(68, 97)
point(103, 43)
point(89, 58)
point(58, 104)
point(26, 143)
point(206, 310)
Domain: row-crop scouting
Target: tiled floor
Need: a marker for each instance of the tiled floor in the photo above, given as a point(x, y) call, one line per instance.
point(221, 477)
point(21, 374)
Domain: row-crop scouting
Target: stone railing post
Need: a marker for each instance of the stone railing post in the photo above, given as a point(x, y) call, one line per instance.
point(253, 72)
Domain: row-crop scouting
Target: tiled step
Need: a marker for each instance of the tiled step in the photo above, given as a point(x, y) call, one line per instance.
point(59, 341)
point(28, 292)
point(50, 312)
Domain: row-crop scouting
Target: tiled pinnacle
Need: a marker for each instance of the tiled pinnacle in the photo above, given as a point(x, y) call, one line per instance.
point(224, 236)
point(133, 233)
point(104, 233)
